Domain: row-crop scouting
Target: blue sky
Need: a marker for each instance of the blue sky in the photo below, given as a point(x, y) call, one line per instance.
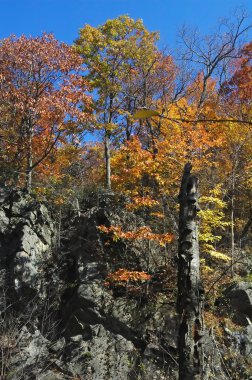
point(65, 17)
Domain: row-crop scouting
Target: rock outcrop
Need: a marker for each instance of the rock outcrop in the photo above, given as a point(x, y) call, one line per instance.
point(26, 233)
point(240, 297)
point(60, 317)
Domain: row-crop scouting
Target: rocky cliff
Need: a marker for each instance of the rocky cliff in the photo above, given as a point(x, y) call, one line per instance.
point(62, 317)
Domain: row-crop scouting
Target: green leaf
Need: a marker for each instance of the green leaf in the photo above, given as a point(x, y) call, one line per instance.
point(144, 114)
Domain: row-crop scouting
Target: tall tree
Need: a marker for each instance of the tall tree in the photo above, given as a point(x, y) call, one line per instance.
point(211, 54)
point(236, 103)
point(43, 98)
point(111, 53)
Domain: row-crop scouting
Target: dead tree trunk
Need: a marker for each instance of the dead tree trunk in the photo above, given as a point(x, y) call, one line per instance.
point(190, 291)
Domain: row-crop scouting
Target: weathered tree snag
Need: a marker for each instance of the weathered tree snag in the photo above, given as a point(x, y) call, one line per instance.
point(190, 291)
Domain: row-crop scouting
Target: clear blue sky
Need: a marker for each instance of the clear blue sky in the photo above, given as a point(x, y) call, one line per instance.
point(65, 17)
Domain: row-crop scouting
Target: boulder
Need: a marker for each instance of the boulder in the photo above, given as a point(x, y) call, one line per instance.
point(240, 298)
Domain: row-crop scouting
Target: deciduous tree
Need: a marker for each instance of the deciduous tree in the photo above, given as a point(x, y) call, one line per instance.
point(43, 99)
point(112, 54)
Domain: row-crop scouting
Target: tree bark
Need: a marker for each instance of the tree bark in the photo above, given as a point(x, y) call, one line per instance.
point(107, 160)
point(190, 291)
point(232, 238)
point(107, 143)
point(29, 158)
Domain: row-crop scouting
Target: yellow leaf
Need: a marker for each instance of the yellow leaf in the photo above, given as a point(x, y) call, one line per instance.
point(219, 255)
point(144, 114)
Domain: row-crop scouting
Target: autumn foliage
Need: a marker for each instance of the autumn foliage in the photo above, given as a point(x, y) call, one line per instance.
point(123, 276)
point(43, 104)
point(147, 116)
point(139, 234)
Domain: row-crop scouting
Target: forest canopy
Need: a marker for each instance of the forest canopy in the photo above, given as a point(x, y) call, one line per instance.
point(114, 110)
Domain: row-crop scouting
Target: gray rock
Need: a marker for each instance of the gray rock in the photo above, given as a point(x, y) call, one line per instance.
point(4, 222)
point(50, 375)
point(69, 324)
point(106, 356)
point(240, 297)
point(246, 342)
point(28, 237)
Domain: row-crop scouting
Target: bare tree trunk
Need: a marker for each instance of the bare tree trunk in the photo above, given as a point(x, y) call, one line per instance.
point(29, 162)
point(59, 230)
point(107, 143)
point(232, 224)
point(190, 291)
point(107, 161)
